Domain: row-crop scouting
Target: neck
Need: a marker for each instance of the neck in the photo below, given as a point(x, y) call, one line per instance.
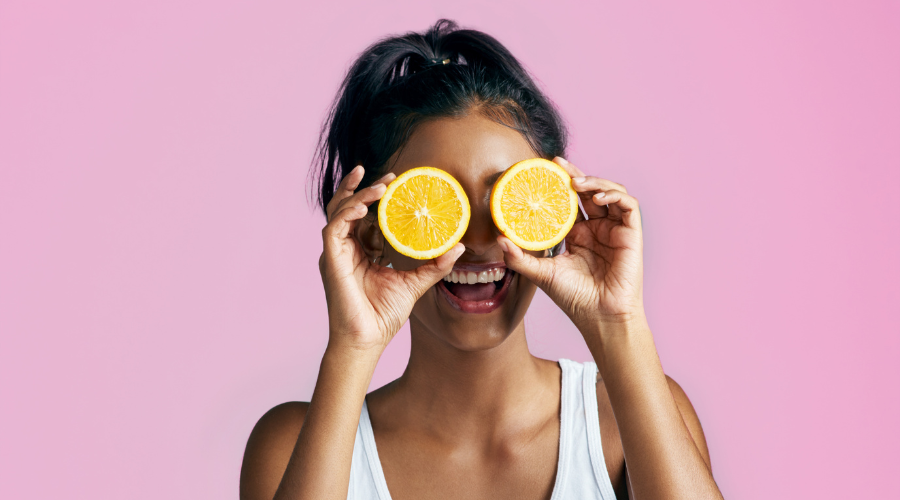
point(461, 391)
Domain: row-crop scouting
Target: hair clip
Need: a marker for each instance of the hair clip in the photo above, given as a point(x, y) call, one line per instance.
point(436, 61)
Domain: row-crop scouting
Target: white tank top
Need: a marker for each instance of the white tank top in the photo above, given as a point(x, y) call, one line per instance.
point(580, 471)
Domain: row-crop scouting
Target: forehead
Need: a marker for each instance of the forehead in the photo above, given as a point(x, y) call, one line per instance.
point(468, 147)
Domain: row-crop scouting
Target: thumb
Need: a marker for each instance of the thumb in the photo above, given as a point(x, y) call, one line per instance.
point(538, 271)
point(424, 277)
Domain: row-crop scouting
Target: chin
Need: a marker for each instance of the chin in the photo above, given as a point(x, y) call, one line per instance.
point(440, 319)
point(469, 333)
point(475, 339)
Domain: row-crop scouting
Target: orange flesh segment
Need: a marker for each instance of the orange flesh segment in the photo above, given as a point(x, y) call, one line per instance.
point(425, 212)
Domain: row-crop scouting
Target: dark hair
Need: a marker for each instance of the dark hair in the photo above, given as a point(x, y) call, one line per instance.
point(401, 81)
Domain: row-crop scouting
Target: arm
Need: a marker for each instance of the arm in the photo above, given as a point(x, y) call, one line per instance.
point(665, 452)
point(304, 450)
point(690, 420)
point(597, 281)
point(367, 304)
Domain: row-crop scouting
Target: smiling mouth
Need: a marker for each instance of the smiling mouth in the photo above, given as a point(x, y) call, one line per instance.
point(476, 289)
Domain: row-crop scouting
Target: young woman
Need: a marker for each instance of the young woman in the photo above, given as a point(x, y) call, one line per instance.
point(474, 415)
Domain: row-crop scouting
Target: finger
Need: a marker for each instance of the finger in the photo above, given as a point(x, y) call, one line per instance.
point(538, 271)
point(586, 184)
point(621, 206)
point(342, 223)
point(424, 277)
point(345, 189)
point(386, 179)
point(365, 196)
point(583, 214)
point(579, 177)
point(586, 187)
point(592, 210)
point(568, 166)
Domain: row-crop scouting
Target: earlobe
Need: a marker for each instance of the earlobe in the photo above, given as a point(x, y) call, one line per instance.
point(370, 238)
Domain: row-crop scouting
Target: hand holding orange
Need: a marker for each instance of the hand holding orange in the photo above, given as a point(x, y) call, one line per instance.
point(598, 280)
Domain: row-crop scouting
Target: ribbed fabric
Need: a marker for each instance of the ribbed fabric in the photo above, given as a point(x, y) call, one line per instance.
point(580, 471)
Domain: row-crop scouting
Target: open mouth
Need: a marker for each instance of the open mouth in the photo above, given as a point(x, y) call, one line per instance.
point(475, 288)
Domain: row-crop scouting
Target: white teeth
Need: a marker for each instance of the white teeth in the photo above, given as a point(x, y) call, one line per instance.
point(470, 278)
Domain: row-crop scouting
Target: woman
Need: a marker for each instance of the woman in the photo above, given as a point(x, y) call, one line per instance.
point(474, 415)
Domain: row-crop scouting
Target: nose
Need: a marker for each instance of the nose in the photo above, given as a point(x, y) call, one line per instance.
point(481, 235)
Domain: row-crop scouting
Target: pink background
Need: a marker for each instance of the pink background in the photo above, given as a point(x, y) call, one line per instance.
point(158, 279)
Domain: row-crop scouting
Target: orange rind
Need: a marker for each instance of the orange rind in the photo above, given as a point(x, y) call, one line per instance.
point(423, 213)
point(533, 204)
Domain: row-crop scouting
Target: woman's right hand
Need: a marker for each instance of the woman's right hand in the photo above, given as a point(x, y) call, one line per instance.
point(367, 302)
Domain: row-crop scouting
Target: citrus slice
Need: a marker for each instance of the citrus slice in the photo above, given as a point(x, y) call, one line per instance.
point(423, 213)
point(533, 204)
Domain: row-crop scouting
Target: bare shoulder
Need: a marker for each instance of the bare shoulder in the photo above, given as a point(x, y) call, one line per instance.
point(691, 420)
point(613, 452)
point(269, 449)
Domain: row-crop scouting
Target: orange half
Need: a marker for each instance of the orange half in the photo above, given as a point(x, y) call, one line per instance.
point(533, 204)
point(423, 213)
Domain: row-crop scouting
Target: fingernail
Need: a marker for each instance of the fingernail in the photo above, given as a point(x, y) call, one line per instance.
point(503, 246)
point(562, 160)
point(578, 180)
point(599, 195)
point(383, 177)
point(377, 185)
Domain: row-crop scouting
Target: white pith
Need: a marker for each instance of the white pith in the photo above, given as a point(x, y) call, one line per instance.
point(471, 277)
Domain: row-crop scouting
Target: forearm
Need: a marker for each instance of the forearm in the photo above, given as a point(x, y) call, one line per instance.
point(661, 457)
point(319, 467)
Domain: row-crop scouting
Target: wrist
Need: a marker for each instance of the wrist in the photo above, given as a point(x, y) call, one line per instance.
point(357, 339)
point(598, 324)
point(622, 324)
point(353, 354)
point(607, 331)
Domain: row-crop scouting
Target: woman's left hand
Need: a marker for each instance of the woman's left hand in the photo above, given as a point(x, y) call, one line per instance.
point(597, 281)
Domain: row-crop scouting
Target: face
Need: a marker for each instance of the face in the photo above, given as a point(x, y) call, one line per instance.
point(475, 151)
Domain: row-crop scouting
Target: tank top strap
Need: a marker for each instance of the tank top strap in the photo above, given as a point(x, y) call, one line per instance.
point(373, 476)
point(592, 424)
point(569, 403)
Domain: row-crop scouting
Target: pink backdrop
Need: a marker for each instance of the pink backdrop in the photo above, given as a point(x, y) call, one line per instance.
point(158, 279)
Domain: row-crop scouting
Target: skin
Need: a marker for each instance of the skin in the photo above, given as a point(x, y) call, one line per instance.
point(475, 415)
